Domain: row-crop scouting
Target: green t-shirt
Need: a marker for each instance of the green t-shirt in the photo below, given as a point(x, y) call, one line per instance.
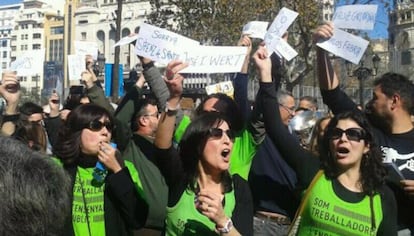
point(244, 149)
point(184, 218)
point(92, 196)
point(327, 214)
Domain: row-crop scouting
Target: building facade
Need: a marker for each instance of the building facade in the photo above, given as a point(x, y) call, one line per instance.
point(401, 38)
point(8, 15)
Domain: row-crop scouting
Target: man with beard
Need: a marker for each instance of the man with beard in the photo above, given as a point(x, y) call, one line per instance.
point(389, 112)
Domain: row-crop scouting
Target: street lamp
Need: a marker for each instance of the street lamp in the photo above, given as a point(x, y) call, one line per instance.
point(362, 73)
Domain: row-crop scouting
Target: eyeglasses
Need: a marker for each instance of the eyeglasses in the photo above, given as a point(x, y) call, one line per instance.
point(97, 125)
point(354, 134)
point(155, 114)
point(218, 133)
point(290, 110)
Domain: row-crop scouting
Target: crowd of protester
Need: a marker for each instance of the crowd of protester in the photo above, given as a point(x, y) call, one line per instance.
point(148, 168)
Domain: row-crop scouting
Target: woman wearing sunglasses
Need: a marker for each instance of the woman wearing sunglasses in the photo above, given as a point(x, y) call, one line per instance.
point(110, 205)
point(348, 196)
point(203, 199)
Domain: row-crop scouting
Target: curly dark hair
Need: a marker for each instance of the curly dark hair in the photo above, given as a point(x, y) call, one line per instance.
point(67, 147)
point(192, 146)
point(372, 170)
point(226, 106)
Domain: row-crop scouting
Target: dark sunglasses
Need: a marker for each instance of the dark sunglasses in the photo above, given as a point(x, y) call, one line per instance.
point(97, 125)
point(354, 134)
point(12, 88)
point(218, 133)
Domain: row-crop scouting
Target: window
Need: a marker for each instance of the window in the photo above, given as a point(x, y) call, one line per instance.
point(4, 65)
point(37, 36)
point(4, 54)
point(36, 46)
point(57, 30)
point(23, 78)
point(4, 43)
point(13, 48)
point(83, 35)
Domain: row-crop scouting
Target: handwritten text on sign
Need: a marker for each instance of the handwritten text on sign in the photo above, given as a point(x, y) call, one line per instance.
point(280, 24)
point(161, 45)
point(345, 45)
point(214, 59)
point(86, 48)
point(76, 65)
point(355, 17)
point(30, 63)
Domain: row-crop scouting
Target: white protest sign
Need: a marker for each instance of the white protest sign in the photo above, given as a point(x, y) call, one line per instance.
point(161, 45)
point(86, 48)
point(256, 29)
point(345, 45)
point(355, 17)
point(273, 39)
point(280, 46)
point(126, 40)
point(30, 63)
point(76, 65)
point(280, 24)
point(222, 87)
point(214, 59)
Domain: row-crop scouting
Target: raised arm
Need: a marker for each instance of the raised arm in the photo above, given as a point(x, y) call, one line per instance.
point(10, 91)
point(332, 96)
point(298, 158)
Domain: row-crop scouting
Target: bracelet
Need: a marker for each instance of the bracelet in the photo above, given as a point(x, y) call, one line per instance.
point(226, 228)
point(148, 65)
point(10, 118)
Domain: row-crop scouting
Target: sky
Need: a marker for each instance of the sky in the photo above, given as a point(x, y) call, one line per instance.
point(381, 21)
point(8, 2)
point(381, 24)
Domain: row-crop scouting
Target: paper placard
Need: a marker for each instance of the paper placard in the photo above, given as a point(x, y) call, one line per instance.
point(345, 45)
point(283, 48)
point(280, 24)
point(86, 48)
point(30, 63)
point(222, 87)
point(161, 45)
point(126, 40)
point(256, 29)
point(355, 17)
point(76, 65)
point(214, 59)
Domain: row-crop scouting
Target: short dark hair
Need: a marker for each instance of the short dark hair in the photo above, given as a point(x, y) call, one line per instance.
point(141, 110)
point(29, 108)
point(34, 190)
point(227, 107)
point(67, 147)
point(392, 83)
point(372, 170)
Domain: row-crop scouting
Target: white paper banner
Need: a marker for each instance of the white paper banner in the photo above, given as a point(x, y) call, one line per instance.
point(161, 45)
point(86, 48)
point(345, 45)
point(214, 59)
point(355, 17)
point(30, 63)
point(280, 24)
point(280, 46)
point(76, 65)
point(256, 29)
point(126, 40)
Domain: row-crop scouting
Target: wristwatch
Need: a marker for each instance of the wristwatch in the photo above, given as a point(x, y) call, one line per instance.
point(171, 111)
point(226, 228)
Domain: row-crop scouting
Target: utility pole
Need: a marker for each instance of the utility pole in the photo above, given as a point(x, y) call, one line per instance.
point(115, 69)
